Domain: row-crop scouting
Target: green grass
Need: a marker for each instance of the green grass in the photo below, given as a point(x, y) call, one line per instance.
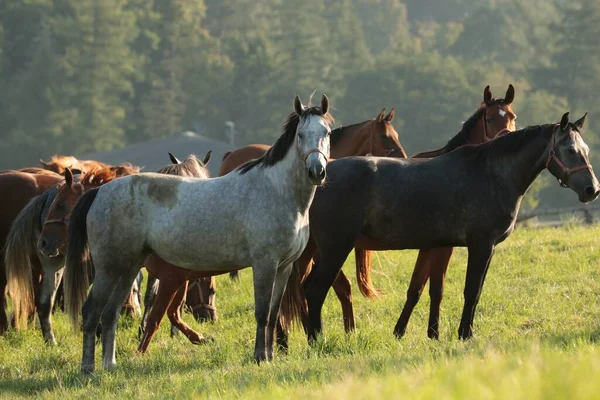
point(536, 336)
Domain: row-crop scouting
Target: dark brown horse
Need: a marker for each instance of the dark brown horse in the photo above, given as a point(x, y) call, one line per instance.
point(493, 118)
point(469, 197)
point(17, 189)
point(376, 137)
point(22, 254)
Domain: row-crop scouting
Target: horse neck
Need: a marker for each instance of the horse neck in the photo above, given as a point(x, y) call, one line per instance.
point(352, 144)
point(520, 168)
point(290, 179)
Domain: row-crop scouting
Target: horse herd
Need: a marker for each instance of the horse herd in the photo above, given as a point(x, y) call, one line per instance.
point(293, 212)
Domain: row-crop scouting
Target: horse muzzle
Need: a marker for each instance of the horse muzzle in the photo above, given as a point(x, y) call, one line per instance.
point(48, 249)
point(316, 162)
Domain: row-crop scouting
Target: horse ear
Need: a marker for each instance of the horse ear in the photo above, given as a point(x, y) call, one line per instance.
point(298, 107)
point(68, 177)
point(579, 123)
point(44, 163)
point(324, 104)
point(174, 159)
point(487, 94)
point(391, 115)
point(510, 94)
point(381, 116)
point(207, 158)
point(564, 121)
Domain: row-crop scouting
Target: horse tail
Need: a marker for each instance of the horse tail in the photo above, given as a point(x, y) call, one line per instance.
point(293, 303)
point(227, 153)
point(19, 246)
point(363, 273)
point(78, 263)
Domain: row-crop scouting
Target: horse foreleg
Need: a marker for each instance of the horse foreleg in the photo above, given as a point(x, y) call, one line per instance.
point(417, 283)
point(167, 290)
point(45, 302)
point(174, 314)
point(440, 258)
point(477, 266)
point(343, 290)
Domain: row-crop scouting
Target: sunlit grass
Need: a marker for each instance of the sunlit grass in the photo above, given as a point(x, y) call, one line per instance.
point(536, 333)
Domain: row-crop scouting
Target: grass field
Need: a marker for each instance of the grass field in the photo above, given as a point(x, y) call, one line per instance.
point(536, 336)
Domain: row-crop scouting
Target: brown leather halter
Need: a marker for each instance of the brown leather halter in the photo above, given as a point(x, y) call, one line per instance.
point(373, 140)
point(553, 160)
point(204, 304)
point(62, 220)
point(485, 130)
point(314, 150)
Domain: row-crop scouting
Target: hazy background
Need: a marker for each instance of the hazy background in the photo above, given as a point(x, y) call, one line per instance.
point(83, 76)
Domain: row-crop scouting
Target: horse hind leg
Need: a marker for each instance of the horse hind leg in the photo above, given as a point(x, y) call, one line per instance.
point(3, 317)
point(111, 312)
point(174, 314)
point(417, 283)
point(439, 266)
point(149, 298)
point(343, 291)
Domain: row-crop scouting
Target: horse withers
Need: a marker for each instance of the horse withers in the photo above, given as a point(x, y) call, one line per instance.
point(256, 216)
point(467, 198)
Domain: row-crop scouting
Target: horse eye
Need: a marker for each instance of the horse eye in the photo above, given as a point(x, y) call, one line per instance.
point(488, 120)
point(300, 135)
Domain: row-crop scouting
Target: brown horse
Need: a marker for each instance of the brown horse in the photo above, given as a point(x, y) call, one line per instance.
point(200, 295)
point(22, 253)
point(376, 137)
point(59, 163)
point(17, 189)
point(493, 118)
point(174, 281)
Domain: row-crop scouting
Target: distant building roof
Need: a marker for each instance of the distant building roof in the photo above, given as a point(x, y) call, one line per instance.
point(152, 155)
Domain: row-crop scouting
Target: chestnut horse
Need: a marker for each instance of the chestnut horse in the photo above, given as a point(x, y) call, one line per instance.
point(200, 291)
point(22, 253)
point(376, 137)
point(493, 118)
point(59, 163)
point(17, 189)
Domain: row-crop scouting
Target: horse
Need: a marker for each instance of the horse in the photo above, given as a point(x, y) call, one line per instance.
point(375, 137)
point(22, 253)
point(494, 117)
point(17, 189)
point(469, 198)
point(59, 163)
point(262, 222)
point(161, 274)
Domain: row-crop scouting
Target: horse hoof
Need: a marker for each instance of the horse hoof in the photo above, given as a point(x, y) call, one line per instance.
point(87, 369)
point(203, 340)
point(399, 333)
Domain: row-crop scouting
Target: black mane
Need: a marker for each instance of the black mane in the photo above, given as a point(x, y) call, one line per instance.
point(278, 151)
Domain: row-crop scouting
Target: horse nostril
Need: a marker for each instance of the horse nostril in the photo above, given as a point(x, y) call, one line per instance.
point(591, 191)
point(322, 174)
point(43, 243)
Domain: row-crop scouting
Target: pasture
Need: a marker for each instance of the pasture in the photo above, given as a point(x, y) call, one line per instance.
point(536, 336)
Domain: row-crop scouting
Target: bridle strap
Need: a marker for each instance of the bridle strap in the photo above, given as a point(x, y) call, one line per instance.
point(314, 150)
point(63, 220)
point(203, 305)
point(485, 130)
point(565, 171)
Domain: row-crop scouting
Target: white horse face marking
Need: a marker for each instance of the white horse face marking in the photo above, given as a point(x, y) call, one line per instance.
point(502, 112)
point(313, 146)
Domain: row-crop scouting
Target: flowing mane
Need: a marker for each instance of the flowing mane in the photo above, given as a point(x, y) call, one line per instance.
point(462, 137)
point(278, 151)
point(190, 167)
point(101, 175)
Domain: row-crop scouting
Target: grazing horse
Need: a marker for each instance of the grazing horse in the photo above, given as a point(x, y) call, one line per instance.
point(59, 163)
point(17, 189)
point(26, 248)
point(469, 198)
point(256, 216)
point(160, 293)
point(376, 137)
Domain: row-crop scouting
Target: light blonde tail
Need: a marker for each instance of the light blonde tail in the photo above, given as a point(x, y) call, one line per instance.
point(363, 273)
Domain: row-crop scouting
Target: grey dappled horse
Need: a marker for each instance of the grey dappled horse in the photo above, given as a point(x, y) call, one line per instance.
point(257, 215)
